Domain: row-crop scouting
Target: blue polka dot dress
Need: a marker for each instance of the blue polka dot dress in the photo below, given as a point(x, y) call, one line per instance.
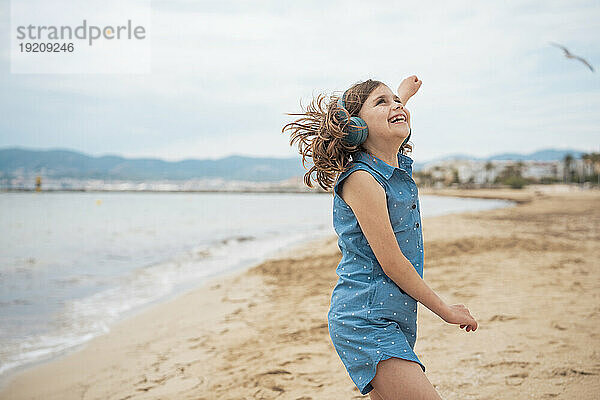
point(371, 318)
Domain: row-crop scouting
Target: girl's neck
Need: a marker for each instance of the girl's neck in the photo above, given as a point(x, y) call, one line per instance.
point(390, 159)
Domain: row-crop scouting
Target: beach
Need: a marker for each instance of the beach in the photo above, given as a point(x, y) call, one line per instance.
point(529, 274)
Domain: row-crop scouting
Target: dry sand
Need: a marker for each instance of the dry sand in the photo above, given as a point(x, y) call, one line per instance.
point(529, 274)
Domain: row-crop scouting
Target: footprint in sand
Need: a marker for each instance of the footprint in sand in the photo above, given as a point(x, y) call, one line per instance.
point(502, 318)
point(509, 352)
point(581, 271)
point(463, 294)
point(568, 371)
point(577, 286)
point(266, 380)
point(516, 379)
point(556, 325)
point(227, 299)
point(510, 365)
point(475, 359)
point(275, 372)
point(201, 342)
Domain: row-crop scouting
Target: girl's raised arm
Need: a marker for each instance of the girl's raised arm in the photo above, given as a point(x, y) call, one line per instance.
point(408, 88)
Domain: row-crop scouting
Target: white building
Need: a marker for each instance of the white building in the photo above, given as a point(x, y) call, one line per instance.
point(481, 172)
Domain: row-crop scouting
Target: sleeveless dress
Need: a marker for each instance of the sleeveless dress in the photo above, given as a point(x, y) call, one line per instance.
point(371, 318)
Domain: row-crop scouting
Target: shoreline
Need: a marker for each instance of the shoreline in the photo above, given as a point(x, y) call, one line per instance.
point(459, 192)
point(172, 351)
point(209, 281)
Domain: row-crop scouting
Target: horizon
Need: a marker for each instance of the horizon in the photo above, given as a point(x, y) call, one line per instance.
point(286, 157)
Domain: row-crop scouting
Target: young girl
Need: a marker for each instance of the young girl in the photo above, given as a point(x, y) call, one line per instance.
point(362, 135)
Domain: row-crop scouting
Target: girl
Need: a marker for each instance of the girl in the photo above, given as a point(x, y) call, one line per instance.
point(362, 135)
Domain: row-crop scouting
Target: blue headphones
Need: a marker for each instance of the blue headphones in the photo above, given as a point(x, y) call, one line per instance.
point(355, 128)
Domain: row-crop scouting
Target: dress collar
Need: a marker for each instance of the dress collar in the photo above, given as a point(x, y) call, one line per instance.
point(404, 163)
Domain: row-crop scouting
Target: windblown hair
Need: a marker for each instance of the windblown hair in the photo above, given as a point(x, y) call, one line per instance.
point(319, 134)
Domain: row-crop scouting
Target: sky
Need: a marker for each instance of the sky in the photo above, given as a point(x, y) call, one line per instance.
point(224, 74)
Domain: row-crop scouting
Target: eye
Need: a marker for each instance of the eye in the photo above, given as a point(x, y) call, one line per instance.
point(379, 101)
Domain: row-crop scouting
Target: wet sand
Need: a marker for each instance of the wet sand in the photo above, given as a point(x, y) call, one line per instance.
point(530, 274)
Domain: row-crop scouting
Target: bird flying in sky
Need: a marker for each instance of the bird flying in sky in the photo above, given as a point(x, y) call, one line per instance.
point(568, 54)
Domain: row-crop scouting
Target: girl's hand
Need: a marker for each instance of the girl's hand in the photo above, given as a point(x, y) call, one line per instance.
point(459, 314)
point(408, 88)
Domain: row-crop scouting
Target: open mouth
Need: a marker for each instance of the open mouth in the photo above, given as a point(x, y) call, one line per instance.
point(398, 119)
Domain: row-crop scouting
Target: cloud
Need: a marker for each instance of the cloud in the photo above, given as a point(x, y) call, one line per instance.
point(224, 75)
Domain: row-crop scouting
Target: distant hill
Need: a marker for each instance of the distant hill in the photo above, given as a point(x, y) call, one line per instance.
point(66, 163)
point(541, 155)
point(72, 164)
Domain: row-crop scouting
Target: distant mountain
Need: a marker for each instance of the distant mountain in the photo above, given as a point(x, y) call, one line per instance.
point(72, 164)
point(66, 163)
point(541, 155)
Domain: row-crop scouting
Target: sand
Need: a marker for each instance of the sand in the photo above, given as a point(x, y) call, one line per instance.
point(529, 274)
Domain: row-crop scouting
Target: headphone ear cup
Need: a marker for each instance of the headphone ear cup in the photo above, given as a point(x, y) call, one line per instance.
point(357, 125)
point(357, 131)
point(355, 128)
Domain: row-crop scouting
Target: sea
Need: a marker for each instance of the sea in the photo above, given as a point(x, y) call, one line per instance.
point(74, 263)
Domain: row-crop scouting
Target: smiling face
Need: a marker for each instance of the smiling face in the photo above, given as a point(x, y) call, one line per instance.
point(386, 117)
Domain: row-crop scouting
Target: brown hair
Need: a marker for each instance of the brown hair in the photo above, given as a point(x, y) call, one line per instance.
point(319, 134)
